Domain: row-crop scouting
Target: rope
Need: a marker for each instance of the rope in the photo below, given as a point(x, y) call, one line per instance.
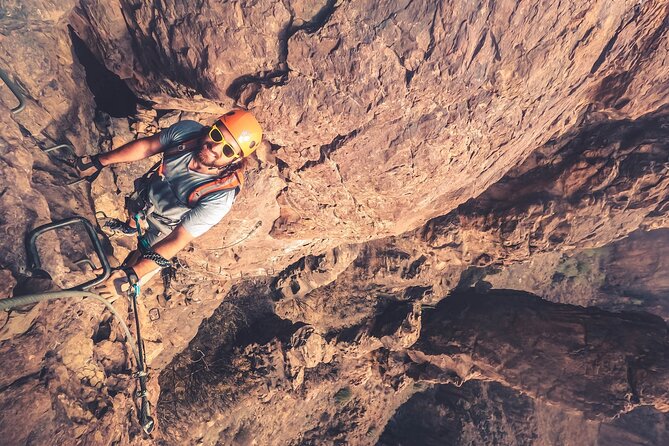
point(13, 302)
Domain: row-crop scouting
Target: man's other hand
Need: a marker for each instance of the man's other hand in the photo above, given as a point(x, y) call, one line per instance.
point(116, 285)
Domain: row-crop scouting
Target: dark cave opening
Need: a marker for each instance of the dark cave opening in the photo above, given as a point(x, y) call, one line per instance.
point(111, 94)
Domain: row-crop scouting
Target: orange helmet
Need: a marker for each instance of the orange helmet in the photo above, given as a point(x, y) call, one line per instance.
point(245, 128)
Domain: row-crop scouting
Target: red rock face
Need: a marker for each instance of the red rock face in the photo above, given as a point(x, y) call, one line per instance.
point(414, 148)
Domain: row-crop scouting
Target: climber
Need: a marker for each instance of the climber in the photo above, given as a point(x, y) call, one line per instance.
point(193, 189)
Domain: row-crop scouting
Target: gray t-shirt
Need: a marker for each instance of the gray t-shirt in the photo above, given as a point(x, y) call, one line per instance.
point(169, 196)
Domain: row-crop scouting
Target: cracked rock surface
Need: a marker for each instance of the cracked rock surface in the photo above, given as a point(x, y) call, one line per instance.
point(455, 231)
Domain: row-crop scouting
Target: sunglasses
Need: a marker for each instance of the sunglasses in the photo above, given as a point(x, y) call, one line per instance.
point(217, 136)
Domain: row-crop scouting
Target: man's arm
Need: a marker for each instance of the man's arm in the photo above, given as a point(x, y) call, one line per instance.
point(117, 283)
point(133, 151)
point(141, 148)
point(167, 247)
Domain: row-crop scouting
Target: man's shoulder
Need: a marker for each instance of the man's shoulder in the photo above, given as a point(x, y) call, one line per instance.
point(186, 124)
point(219, 198)
point(180, 132)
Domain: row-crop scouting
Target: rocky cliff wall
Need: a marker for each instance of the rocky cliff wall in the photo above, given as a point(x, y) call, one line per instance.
point(413, 148)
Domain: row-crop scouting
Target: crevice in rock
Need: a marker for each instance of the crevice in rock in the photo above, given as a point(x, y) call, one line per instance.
point(389, 318)
point(250, 84)
point(103, 331)
point(414, 268)
point(415, 293)
point(495, 46)
point(329, 148)
point(614, 86)
point(609, 45)
point(479, 46)
point(111, 94)
point(583, 40)
point(22, 380)
point(320, 19)
point(284, 169)
point(408, 76)
point(432, 44)
point(245, 88)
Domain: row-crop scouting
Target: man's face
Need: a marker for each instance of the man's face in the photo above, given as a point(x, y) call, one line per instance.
point(214, 154)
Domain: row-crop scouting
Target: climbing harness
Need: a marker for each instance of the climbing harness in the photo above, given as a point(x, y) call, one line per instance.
point(15, 91)
point(145, 248)
point(168, 270)
point(80, 291)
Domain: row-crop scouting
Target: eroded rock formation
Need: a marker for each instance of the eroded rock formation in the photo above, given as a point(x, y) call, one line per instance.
point(530, 339)
point(414, 149)
point(507, 337)
point(490, 414)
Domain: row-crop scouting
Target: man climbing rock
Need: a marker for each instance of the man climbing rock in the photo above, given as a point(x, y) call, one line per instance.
point(192, 190)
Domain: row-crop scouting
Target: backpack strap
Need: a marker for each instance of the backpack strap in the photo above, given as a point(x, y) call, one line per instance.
point(189, 145)
point(235, 180)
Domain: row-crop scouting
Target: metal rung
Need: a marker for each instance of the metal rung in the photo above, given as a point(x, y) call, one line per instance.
point(154, 314)
point(58, 147)
point(71, 164)
point(15, 91)
point(88, 262)
point(33, 256)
